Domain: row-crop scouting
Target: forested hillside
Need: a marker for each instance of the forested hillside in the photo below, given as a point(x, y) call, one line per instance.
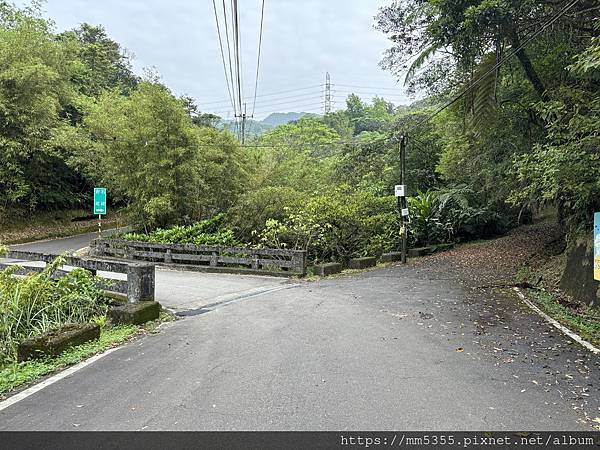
point(509, 125)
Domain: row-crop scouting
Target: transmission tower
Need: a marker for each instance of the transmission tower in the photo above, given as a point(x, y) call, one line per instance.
point(327, 105)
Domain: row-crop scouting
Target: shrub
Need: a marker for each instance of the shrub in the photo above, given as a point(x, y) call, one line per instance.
point(249, 216)
point(205, 232)
point(36, 303)
point(337, 226)
point(449, 215)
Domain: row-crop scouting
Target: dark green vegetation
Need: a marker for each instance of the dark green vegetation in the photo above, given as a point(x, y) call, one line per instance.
point(76, 115)
point(524, 137)
point(206, 232)
point(15, 375)
point(37, 303)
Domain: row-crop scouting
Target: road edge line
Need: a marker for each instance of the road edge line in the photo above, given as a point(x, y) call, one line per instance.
point(53, 379)
point(556, 323)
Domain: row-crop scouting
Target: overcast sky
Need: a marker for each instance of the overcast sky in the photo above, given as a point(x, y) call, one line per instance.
point(302, 40)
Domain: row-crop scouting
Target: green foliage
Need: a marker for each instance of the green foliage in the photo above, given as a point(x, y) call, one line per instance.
point(206, 232)
point(35, 89)
point(425, 227)
point(106, 64)
point(565, 169)
point(448, 215)
point(337, 226)
point(37, 303)
point(16, 374)
point(299, 155)
point(250, 214)
point(147, 151)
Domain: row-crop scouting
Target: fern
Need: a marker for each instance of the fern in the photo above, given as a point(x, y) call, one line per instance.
point(420, 60)
point(483, 96)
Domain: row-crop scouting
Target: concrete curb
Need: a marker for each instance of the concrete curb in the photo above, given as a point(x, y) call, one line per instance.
point(556, 324)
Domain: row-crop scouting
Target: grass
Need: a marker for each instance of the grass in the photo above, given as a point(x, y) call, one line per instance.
point(585, 322)
point(19, 374)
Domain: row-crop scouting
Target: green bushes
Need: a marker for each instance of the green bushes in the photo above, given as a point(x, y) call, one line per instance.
point(206, 232)
point(36, 303)
point(449, 215)
point(249, 216)
point(337, 226)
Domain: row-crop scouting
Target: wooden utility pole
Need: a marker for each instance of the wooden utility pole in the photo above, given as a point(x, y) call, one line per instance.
point(402, 204)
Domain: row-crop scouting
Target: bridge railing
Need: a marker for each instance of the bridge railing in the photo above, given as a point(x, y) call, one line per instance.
point(139, 285)
point(210, 258)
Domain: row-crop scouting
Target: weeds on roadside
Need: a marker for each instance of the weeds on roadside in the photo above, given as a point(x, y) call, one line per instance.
point(38, 302)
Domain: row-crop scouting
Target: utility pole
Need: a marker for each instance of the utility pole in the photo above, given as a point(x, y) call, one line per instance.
point(401, 193)
point(244, 125)
point(327, 105)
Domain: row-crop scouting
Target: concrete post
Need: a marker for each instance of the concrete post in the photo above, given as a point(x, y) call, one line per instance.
point(299, 262)
point(140, 283)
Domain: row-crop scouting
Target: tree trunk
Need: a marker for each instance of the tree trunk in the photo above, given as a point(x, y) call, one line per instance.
point(523, 58)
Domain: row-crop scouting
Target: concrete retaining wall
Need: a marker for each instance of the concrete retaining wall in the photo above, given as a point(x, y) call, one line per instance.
point(578, 277)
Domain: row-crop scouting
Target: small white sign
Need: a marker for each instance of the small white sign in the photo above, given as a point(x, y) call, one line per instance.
point(399, 190)
point(404, 212)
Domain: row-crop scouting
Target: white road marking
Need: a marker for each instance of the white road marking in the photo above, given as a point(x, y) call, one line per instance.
point(556, 324)
point(53, 379)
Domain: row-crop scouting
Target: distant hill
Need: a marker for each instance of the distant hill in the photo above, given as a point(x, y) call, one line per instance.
point(273, 120)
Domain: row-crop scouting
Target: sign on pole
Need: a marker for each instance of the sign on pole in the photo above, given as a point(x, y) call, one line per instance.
point(597, 246)
point(400, 190)
point(100, 201)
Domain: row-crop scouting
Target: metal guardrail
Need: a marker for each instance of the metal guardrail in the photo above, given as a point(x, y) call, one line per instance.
point(139, 286)
point(206, 257)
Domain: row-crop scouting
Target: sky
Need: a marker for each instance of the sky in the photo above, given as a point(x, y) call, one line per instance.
point(302, 41)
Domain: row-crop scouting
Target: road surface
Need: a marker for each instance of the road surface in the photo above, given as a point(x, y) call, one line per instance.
point(393, 348)
point(176, 290)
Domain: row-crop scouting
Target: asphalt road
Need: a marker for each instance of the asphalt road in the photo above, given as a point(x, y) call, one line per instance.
point(176, 290)
point(392, 348)
point(69, 244)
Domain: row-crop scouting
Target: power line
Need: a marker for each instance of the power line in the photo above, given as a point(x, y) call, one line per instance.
point(321, 91)
point(229, 57)
point(292, 107)
point(268, 102)
point(262, 16)
point(289, 103)
point(141, 142)
point(497, 65)
point(270, 94)
point(236, 53)
point(222, 53)
point(367, 87)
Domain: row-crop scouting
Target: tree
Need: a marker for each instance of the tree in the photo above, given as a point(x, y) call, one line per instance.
point(106, 64)
point(35, 89)
point(565, 170)
point(298, 154)
point(457, 35)
point(145, 150)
